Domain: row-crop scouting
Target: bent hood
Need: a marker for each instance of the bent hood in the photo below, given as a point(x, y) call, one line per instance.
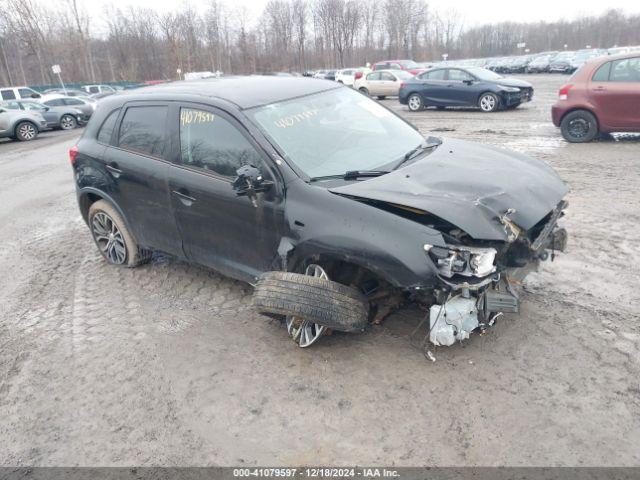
point(471, 186)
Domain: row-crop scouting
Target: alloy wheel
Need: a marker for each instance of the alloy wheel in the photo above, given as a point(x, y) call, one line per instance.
point(109, 238)
point(304, 332)
point(487, 103)
point(67, 122)
point(415, 103)
point(26, 131)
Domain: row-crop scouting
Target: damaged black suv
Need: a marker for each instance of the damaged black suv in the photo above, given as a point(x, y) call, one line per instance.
point(334, 207)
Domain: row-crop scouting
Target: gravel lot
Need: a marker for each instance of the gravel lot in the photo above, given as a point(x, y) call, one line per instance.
point(168, 365)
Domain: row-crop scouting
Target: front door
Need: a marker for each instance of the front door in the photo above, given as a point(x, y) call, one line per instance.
point(237, 235)
point(461, 90)
point(615, 90)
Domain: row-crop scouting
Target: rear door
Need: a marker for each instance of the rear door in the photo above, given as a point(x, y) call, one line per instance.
point(434, 87)
point(388, 84)
point(236, 235)
point(615, 91)
point(374, 84)
point(136, 166)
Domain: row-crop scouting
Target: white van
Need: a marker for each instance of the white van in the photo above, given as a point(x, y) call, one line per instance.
point(18, 93)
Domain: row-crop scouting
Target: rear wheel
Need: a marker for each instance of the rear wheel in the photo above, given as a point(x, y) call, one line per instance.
point(364, 91)
point(68, 122)
point(415, 103)
point(112, 236)
point(26, 131)
point(579, 126)
point(488, 102)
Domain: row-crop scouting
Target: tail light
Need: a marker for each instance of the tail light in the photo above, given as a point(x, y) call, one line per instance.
point(358, 75)
point(402, 85)
point(73, 153)
point(564, 91)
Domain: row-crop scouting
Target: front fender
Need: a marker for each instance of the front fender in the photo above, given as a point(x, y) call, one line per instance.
point(324, 224)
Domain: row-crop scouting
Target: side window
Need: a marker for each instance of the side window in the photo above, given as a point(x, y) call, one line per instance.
point(433, 75)
point(625, 70)
point(106, 130)
point(458, 75)
point(11, 105)
point(32, 106)
point(72, 101)
point(373, 76)
point(28, 93)
point(602, 74)
point(212, 143)
point(56, 102)
point(94, 90)
point(143, 130)
point(7, 94)
point(386, 76)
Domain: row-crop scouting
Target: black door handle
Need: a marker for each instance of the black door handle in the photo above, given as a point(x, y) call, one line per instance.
point(184, 198)
point(113, 168)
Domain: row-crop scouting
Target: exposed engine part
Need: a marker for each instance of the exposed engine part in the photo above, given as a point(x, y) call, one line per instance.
point(454, 320)
point(500, 301)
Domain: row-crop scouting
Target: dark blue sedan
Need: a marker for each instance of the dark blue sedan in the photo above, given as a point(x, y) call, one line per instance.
point(464, 87)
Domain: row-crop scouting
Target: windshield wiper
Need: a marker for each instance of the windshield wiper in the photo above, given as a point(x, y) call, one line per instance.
point(431, 142)
point(352, 175)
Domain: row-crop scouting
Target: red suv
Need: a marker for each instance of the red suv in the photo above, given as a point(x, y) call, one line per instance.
point(407, 65)
point(603, 96)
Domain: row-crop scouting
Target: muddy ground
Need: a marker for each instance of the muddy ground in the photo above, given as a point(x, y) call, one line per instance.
point(167, 364)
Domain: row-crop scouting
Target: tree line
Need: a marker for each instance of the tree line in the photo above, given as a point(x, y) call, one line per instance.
point(140, 44)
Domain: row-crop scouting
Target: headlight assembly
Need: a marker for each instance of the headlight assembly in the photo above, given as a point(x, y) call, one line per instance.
point(460, 260)
point(509, 89)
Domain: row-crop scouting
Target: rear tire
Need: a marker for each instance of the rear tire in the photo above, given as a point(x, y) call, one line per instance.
point(415, 102)
point(318, 300)
point(364, 91)
point(579, 126)
point(112, 237)
point(26, 131)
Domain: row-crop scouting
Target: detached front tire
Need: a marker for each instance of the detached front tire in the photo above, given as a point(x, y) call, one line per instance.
point(312, 298)
point(112, 237)
point(579, 126)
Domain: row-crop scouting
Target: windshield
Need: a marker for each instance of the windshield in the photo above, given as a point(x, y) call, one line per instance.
point(336, 131)
point(483, 73)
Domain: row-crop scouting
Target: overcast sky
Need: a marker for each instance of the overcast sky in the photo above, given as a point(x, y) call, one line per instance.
point(474, 12)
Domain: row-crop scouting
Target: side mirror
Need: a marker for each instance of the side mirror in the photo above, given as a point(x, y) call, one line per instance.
point(250, 181)
point(36, 95)
point(2, 110)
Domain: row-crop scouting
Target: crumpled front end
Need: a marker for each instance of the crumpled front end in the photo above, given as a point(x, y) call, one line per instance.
point(480, 282)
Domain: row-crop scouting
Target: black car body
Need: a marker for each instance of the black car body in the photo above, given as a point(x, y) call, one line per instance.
point(464, 87)
point(253, 174)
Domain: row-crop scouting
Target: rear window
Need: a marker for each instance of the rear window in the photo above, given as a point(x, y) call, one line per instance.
point(143, 130)
point(106, 130)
